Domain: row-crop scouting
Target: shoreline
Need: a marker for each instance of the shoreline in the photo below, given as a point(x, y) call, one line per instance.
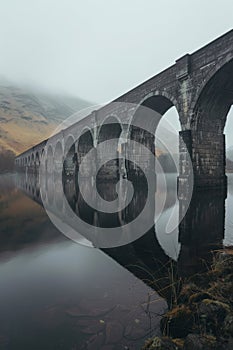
point(202, 318)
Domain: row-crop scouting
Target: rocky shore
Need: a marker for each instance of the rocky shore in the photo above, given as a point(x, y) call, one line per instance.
point(202, 317)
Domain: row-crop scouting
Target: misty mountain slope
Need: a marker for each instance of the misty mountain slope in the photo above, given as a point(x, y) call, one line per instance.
point(28, 117)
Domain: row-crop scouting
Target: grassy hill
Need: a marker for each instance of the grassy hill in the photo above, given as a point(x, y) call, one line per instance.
point(28, 117)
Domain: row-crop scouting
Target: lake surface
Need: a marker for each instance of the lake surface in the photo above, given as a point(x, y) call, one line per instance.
point(57, 294)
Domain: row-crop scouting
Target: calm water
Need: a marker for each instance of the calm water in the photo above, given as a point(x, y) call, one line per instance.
point(57, 294)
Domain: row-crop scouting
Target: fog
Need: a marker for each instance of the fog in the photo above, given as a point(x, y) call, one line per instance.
point(98, 50)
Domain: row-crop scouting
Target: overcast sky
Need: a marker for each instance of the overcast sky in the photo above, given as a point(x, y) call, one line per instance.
point(99, 49)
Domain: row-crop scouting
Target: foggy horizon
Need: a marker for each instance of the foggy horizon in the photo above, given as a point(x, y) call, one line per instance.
point(99, 51)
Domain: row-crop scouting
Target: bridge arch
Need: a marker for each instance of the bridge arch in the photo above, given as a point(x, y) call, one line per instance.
point(216, 69)
point(69, 161)
point(32, 161)
point(144, 124)
point(58, 157)
point(209, 118)
point(37, 162)
point(162, 99)
point(214, 98)
point(84, 144)
point(110, 129)
point(49, 160)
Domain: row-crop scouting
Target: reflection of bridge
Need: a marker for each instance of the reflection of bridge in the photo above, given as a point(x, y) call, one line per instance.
point(201, 231)
point(199, 85)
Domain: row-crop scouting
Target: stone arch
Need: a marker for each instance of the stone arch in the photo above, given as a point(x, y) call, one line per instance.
point(207, 78)
point(144, 123)
point(152, 107)
point(208, 121)
point(49, 159)
point(69, 154)
point(110, 129)
point(84, 144)
point(163, 101)
point(214, 99)
point(32, 160)
point(37, 162)
point(58, 158)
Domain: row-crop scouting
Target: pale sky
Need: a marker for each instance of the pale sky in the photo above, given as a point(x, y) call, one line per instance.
point(99, 49)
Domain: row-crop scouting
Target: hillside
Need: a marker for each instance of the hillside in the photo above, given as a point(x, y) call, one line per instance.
point(28, 117)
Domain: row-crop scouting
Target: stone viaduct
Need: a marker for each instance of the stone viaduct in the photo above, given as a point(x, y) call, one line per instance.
point(199, 85)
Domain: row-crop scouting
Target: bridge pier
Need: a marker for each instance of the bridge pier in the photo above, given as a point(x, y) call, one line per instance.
point(203, 154)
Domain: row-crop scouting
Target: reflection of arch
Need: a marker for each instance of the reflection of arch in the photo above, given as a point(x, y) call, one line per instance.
point(111, 129)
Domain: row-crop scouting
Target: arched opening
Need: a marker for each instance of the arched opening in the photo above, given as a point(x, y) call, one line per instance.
point(32, 162)
point(37, 162)
point(228, 131)
point(156, 126)
point(49, 160)
point(110, 130)
point(58, 158)
point(69, 161)
point(42, 162)
point(85, 144)
point(208, 139)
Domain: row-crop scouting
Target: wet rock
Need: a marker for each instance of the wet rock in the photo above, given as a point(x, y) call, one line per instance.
point(199, 342)
point(228, 325)
point(177, 322)
point(160, 343)
point(212, 313)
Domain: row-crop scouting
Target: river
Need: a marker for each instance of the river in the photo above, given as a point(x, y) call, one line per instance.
point(57, 294)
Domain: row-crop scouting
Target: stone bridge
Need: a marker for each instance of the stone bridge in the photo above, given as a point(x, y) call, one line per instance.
point(199, 85)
